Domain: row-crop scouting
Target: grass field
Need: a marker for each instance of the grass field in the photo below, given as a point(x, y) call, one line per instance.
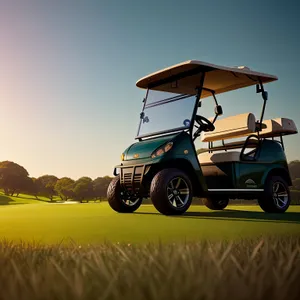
point(247, 270)
point(97, 222)
point(238, 253)
point(22, 199)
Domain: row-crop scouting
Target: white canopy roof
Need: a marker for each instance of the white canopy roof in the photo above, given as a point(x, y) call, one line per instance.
point(217, 78)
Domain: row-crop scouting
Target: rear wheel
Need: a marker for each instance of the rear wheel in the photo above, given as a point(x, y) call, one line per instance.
point(276, 197)
point(171, 192)
point(216, 202)
point(119, 200)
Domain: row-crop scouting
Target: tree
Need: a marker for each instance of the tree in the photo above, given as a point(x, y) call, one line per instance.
point(33, 187)
point(12, 177)
point(64, 188)
point(46, 185)
point(83, 189)
point(26, 186)
point(294, 167)
point(296, 183)
point(100, 186)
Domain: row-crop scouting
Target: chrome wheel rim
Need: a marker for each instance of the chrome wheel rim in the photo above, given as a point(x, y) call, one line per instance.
point(178, 192)
point(129, 201)
point(280, 195)
point(222, 202)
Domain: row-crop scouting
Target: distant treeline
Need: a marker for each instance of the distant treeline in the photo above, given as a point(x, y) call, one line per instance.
point(15, 180)
point(294, 167)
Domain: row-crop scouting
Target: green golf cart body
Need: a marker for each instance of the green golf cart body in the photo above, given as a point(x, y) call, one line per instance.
point(164, 165)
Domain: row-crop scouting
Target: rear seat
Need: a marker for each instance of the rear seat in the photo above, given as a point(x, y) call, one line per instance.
point(238, 126)
point(277, 127)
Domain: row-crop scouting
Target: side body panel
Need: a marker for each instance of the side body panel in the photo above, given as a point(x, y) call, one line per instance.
point(246, 176)
point(252, 174)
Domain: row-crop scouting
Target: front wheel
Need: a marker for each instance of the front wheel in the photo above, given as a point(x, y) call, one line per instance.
point(171, 192)
point(215, 202)
point(119, 201)
point(276, 197)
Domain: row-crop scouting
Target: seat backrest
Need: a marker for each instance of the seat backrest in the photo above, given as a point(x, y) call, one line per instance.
point(231, 127)
point(278, 126)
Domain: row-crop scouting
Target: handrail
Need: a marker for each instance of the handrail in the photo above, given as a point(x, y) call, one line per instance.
point(245, 144)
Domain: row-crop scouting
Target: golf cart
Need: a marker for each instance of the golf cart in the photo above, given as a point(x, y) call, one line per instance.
point(163, 164)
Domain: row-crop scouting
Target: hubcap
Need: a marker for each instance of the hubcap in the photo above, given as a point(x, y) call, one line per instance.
point(178, 192)
point(221, 202)
point(128, 200)
point(280, 195)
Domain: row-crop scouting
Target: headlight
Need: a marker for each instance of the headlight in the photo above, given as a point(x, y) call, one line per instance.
point(162, 150)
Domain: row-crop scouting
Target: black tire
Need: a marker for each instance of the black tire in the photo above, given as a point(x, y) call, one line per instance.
point(116, 201)
point(160, 190)
point(276, 197)
point(216, 202)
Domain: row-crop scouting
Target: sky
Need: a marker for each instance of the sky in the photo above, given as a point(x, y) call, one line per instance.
point(68, 69)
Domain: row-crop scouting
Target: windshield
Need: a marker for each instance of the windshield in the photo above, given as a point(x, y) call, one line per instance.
point(166, 112)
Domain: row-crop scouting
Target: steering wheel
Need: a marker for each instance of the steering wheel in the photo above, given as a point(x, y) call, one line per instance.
point(205, 125)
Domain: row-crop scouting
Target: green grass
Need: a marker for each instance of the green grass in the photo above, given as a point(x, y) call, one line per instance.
point(22, 199)
point(97, 222)
point(238, 253)
point(248, 270)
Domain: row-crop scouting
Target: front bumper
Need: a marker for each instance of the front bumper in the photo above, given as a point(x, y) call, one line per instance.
point(132, 176)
